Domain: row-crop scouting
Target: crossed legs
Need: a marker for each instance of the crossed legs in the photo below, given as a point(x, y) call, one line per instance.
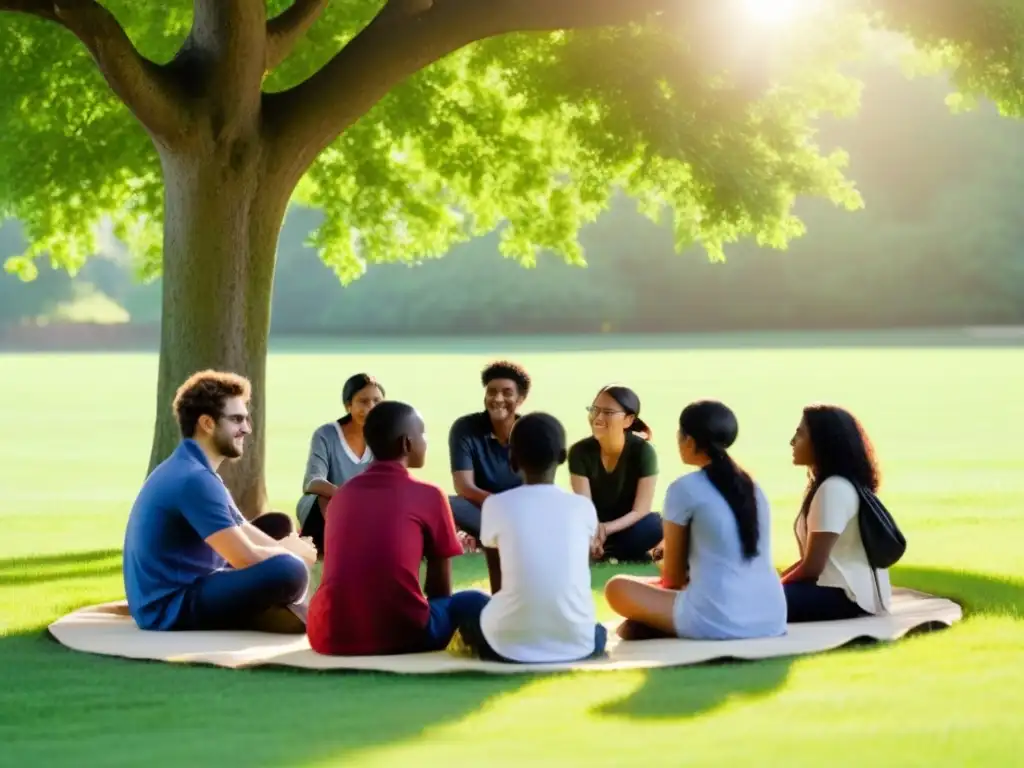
point(648, 609)
point(258, 597)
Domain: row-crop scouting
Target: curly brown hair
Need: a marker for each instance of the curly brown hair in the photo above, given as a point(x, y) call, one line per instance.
point(506, 369)
point(841, 447)
point(203, 394)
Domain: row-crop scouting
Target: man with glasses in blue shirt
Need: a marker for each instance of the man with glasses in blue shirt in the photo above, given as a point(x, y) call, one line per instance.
point(191, 561)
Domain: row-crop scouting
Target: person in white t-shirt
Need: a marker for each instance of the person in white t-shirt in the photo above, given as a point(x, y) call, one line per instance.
point(833, 579)
point(537, 538)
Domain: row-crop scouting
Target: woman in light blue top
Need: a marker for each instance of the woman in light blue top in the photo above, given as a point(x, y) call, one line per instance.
point(718, 580)
point(337, 453)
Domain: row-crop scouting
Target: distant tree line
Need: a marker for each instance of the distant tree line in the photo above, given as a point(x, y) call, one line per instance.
point(941, 242)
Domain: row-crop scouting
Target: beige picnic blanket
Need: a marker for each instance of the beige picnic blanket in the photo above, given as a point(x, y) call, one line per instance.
point(108, 630)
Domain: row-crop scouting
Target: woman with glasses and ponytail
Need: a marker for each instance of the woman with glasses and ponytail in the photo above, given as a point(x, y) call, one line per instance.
point(718, 581)
point(617, 469)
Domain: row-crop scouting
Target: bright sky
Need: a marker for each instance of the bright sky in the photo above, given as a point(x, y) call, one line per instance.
point(772, 12)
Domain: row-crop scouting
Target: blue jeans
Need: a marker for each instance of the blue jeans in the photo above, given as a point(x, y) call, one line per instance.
point(473, 635)
point(235, 599)
point(633, 543)
point(806, 601)
point(447, 614)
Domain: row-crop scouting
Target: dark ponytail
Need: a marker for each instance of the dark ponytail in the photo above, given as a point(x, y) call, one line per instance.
point(353, 386)
point(640, 429)
point(713, 428)
point(629, 401)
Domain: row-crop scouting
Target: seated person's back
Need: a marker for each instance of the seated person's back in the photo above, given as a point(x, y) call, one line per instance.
point(718, 581)
point(380, 526)
point(538, 539)
point(545, 608)
point(728, 595)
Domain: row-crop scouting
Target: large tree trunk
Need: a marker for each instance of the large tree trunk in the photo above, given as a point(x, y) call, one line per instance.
point(222, 222)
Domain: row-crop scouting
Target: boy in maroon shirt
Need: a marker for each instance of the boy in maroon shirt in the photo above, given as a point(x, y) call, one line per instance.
point(380, 525)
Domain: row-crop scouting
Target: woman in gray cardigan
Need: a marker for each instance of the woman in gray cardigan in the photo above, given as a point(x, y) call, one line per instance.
point(337, 453)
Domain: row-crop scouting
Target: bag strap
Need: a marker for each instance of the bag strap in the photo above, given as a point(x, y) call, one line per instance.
point(874, 571)
point(878, 591)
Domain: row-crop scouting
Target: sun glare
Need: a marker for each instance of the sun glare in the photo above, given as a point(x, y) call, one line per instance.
point(772, 12)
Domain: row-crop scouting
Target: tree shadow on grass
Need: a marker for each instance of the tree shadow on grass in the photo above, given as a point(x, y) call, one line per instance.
point(59, 707)
point(63, 708)
point(47, 568)
point(978, 594)
point(689, 691)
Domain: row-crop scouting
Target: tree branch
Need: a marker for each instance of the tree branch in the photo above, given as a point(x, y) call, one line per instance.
point(146, 88)
point(405, 37)
point(290, 26)
point(227, 47)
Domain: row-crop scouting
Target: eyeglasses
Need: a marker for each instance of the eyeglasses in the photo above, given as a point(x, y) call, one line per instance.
point(594, 412)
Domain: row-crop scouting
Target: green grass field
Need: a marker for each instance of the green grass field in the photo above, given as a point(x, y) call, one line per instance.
point(947, 425)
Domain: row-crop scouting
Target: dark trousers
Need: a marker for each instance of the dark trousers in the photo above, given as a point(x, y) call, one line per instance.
point(634, 543)
point(246, 598)
point(473, 636)
point(806, 602)
point(466, 514)
point(447, 614)
point(313, 528)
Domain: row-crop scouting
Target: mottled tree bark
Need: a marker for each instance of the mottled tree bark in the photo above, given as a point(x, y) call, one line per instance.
point(220, 237)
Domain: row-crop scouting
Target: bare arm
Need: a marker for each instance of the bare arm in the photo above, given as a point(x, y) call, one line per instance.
point(291, 544)
point(790, 569)
point(438, 580)
point(235, 546)
point(321, 488)
point(317, 468)
point(819, 547)
point(641, 506)
point(676, 573)
point(466, 487)
point(580, 485)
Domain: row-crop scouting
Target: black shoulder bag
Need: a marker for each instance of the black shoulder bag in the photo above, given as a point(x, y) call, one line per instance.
point(884, 543)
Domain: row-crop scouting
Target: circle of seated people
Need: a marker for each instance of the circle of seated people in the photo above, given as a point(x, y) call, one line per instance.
point(191, 561)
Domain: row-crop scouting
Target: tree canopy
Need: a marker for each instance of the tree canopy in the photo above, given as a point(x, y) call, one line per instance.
point(414, 124)
point(530, 130)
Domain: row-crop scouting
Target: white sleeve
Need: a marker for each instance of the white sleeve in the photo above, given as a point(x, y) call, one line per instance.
point(589, 516)
point(490, 522)
point(834, 505)
point(678, 507)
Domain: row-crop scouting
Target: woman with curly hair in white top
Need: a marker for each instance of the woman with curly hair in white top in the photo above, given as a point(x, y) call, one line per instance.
point(833, 579)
